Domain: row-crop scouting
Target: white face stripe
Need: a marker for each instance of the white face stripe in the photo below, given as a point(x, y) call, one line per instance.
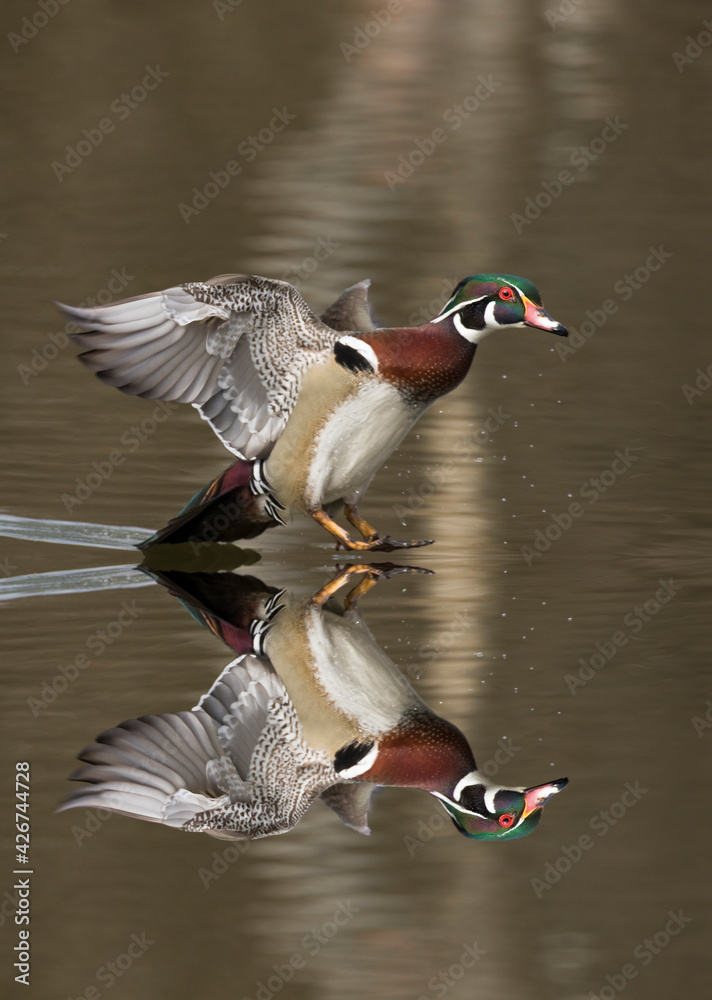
point(364, 349)
point(468, 812)
point(448, 312)
point(363, 765)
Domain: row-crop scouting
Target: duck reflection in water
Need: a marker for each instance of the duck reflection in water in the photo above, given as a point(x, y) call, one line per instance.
point(311, 708)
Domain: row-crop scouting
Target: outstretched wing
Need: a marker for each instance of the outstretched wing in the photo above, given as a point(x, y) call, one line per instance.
point(235, 347)
point(238, 704)
point(235, 767)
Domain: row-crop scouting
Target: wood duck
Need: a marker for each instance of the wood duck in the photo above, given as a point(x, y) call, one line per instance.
point(311, 407)
point(318, 710)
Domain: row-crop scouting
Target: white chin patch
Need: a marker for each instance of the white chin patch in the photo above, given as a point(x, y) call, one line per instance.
point(475, 336)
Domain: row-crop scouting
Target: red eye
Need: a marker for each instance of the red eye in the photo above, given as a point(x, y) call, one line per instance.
point(506, 820)
point(506, 294)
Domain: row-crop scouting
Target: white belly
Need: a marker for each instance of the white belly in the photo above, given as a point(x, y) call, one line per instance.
point(354, 672)
point(343, 685)
point(355, 441)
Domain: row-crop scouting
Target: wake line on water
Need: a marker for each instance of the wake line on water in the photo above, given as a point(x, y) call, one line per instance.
point(73, 581)
point(101, 536)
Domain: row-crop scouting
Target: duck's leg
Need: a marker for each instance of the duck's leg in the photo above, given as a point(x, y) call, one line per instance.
point(374, 573)
point(371, 575)
point(353, 517)
point(372, 543)
point(343, 577)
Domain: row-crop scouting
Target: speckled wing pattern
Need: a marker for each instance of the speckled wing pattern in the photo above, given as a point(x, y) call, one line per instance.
point(235, 767)
point(285, 778)
point(259, 382)
point(235, 347)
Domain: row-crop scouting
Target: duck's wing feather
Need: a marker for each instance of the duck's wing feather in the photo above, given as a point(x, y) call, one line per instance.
point(235, 767)
point(235, 347)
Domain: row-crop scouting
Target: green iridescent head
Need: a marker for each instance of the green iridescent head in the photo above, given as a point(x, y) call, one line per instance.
point(485, 811)
point(484, 303)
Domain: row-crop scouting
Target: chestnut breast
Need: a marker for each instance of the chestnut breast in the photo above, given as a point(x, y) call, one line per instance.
point(425, 362)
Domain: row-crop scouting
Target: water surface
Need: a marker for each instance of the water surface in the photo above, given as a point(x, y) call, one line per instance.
point(493, 640)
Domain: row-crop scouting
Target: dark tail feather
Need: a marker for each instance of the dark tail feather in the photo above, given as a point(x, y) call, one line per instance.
point(224, 603)
point(350, 311)
point(224, 511)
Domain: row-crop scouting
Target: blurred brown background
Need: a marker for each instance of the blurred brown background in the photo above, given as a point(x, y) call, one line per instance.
point(521, 92)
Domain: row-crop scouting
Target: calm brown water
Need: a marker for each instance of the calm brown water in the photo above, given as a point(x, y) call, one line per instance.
point(491, 639)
